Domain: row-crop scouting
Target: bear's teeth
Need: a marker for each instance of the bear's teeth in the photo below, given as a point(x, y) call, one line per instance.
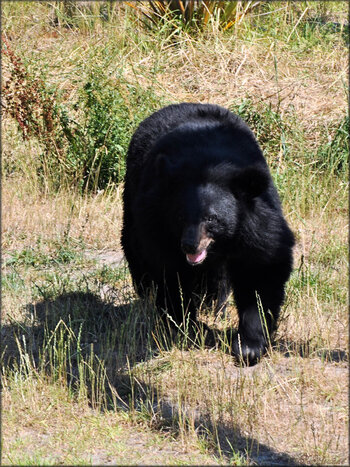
point(197, 258)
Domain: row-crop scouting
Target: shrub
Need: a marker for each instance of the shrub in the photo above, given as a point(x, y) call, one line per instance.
point(84, 143)
point(192, 13)
point(107, 114)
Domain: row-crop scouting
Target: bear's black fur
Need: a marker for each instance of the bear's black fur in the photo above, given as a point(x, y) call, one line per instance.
point(202, 217)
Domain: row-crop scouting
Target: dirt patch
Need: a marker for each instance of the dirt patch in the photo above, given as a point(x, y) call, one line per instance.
point(113, 258)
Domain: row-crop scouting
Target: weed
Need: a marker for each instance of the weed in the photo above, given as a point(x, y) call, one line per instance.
point(84, 145)
point(26, 98)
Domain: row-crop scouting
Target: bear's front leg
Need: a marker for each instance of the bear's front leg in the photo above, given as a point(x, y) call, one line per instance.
point(258, 299)
point(251, 340)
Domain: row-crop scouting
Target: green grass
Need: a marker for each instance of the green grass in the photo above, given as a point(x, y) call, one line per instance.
point(35, 257)
point(90, 374)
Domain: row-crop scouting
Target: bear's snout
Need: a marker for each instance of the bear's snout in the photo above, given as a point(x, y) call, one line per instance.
point(189, 247)
point(191, 239)
point(194, 244)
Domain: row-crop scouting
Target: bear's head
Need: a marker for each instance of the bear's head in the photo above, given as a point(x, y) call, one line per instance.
point(203, 208)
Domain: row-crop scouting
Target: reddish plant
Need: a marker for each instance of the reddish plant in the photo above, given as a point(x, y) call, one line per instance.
point(26, 99)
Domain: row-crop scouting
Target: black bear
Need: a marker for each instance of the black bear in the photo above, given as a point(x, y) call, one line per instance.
point(202, 218)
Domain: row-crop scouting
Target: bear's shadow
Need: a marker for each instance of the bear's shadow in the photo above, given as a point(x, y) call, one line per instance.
point(103, 326)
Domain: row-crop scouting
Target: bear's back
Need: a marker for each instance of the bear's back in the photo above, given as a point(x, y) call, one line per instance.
point(169, 123)
point(167, 119)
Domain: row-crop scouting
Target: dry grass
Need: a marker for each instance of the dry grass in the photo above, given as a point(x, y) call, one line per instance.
point(296, 404)
point(42, 426)
point(313, 85)
point(91, 220)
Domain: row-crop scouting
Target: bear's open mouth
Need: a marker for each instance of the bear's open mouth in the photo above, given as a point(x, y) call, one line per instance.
point(197, 258)
point(202, 251)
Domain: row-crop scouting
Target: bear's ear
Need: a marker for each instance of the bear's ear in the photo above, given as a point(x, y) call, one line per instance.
point(250, 181)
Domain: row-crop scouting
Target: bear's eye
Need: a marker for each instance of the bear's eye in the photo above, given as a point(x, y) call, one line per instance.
point(211, 218)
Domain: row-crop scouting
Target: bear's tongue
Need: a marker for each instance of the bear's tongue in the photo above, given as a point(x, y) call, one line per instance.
point(196, 258)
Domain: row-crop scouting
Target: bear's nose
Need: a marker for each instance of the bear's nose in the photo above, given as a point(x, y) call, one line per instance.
point(190, 240)
point(189, 247)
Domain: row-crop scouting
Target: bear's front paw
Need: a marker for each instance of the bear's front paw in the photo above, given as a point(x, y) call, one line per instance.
point(248, 351)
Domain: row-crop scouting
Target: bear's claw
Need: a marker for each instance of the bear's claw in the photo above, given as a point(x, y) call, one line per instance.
point(248, 351)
